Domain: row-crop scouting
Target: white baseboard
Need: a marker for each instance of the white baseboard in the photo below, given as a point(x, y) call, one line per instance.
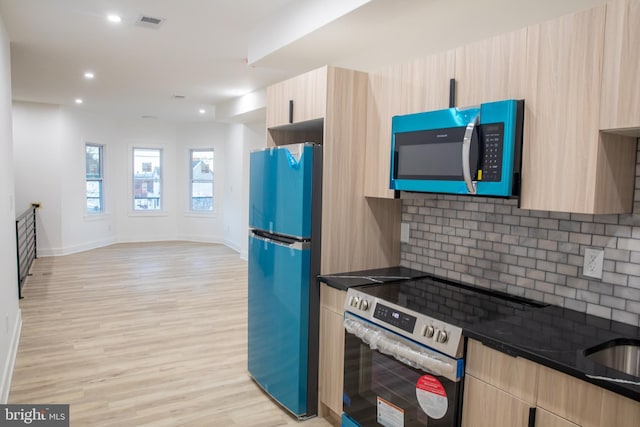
point(7, 371)
point(76, 248)
point(106, 242)
point(199, 238)
point(231, 245)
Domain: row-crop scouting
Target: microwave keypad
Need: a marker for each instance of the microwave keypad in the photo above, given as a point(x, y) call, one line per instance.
point(492, 136)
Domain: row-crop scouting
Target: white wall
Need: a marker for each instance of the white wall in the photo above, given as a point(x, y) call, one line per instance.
point(135, 226)
point(36, 153)
point(202, 227)
point(10, 321)
point(81, 231)
point(49, 163)
point(233, 225)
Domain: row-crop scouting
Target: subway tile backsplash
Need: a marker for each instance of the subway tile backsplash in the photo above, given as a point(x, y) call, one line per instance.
point(535, 254)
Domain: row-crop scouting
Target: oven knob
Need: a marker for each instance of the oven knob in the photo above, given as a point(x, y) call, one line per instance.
point(351, 301)
point(442, 337)
point(364, 304)
point(429, 331)
point(356, 302)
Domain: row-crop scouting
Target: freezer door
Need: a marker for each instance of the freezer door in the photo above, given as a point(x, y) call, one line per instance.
point(278, 317)
point(280, 186)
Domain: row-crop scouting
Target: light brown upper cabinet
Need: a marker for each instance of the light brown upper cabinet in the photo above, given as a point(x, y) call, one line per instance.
point(567, 164)
point(329, 107)
point(413, 87)
point(620, 106)
point(492, 69)
point(300, 99)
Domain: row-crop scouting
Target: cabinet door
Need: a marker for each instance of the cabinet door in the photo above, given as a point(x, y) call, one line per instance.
point(331, 350)
point(617, 410)
point(620, 107)
point(570, 398)
point(492, 69)
point(559, 170)
point(357, 233)
point(308, 93)
point(515, 375)
point(417, 86)
point(547, 419)
point(487, 406)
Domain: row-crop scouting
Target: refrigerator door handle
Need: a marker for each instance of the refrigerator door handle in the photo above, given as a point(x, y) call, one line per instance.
point(297, 244)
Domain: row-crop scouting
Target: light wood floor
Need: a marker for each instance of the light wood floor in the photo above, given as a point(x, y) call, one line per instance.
point(142, 335)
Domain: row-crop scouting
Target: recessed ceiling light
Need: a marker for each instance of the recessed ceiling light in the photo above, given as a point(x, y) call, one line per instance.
point(89, 75)
point(113, 18)
point(79, 101)
point(202, 111)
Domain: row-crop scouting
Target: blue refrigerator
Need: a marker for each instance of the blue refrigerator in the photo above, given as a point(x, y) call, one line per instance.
point(285, 194)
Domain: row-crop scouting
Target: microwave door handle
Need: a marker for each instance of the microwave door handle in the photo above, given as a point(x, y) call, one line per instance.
point(466, 152)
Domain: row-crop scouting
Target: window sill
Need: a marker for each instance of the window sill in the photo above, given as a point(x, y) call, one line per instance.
point(148, 213)
point(196, 214)
point(98, 216)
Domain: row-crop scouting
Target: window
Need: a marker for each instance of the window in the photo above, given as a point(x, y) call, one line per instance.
point(94, 178)
point(202, 180)
point(147, 179)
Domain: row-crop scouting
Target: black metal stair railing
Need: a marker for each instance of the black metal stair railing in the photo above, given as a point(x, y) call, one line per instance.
point(27, 249)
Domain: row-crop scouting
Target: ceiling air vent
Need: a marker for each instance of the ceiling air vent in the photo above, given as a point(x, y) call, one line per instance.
point(149, 21)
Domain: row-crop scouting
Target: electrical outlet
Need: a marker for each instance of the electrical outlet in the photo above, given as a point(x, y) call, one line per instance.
point(593, 260)
point(404, 232)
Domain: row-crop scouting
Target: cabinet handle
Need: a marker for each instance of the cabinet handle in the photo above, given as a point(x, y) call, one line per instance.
point(466, 148)
point(532, 417)
point(290, 111)
point(452, 93)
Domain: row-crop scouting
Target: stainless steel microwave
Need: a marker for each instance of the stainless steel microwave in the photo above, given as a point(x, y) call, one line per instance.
point(475, 150)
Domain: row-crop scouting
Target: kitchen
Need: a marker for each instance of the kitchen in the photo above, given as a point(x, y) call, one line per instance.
point(531, 247)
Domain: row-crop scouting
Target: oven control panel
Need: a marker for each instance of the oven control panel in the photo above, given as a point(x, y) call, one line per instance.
point(419, 327)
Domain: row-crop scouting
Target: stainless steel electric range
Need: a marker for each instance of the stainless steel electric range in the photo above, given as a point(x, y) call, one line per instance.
point(404, 349)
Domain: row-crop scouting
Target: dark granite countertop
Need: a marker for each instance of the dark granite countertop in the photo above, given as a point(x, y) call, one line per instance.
point(556, 337)
point(552, 336)
point(344, 281)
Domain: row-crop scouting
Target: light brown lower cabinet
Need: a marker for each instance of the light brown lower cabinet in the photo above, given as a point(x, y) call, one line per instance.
point(584, 404)
point(570, 398)
point(509, 386)
point(487, 406)
point(619, 411)
point(331, 357)
point(499, 390)
point(547, 419)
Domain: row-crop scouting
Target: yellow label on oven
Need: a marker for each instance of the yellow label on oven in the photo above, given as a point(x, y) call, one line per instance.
point(479, 174)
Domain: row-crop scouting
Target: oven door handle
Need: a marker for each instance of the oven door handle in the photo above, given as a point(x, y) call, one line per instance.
point(404, 351)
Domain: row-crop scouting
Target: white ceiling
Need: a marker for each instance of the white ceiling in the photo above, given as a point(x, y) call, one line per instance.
point(200, 51)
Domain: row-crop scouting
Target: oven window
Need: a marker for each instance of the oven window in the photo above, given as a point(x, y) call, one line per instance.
point(375, 381)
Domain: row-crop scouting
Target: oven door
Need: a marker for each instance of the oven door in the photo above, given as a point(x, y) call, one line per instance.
point(392, 381)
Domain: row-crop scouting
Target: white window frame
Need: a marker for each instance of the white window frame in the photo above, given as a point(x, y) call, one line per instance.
point(132, 200)
point(99, 179)
point(190, 208)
